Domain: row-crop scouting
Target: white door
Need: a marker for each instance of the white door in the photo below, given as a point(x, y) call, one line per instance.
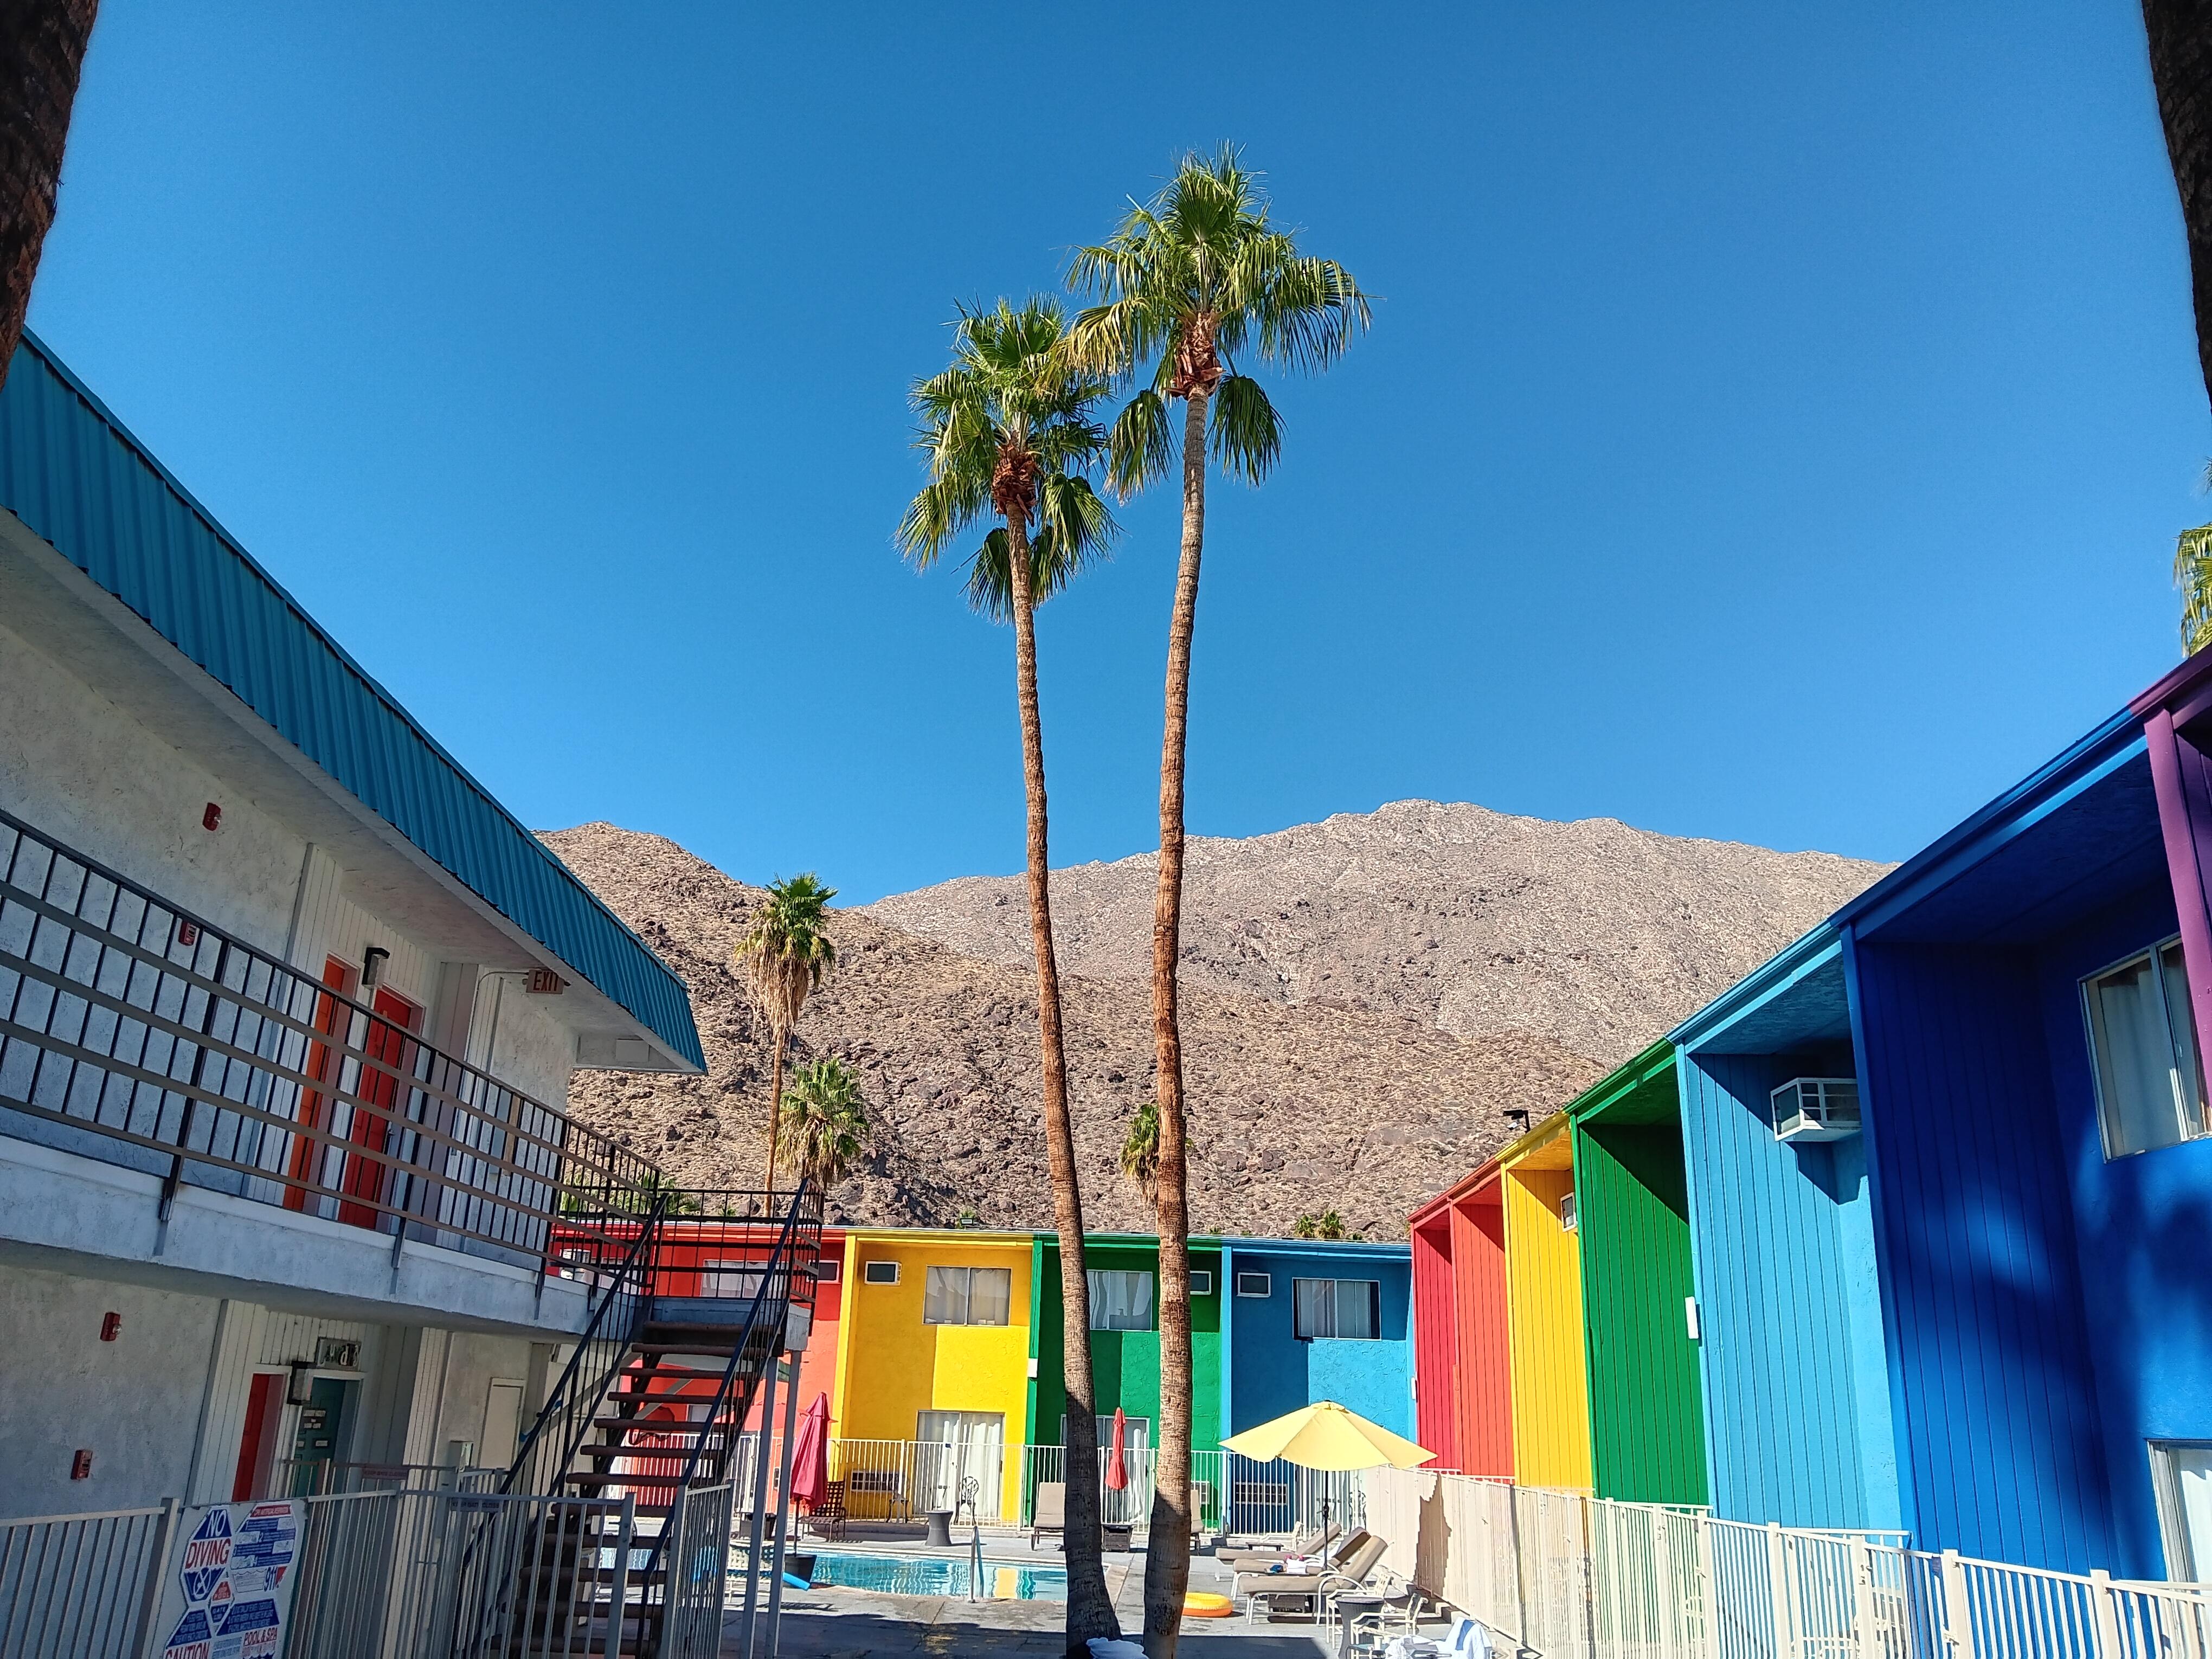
point(954, 1446)
point(503, 1426)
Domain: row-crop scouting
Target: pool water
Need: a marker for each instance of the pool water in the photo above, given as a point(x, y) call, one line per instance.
point(900, 1575)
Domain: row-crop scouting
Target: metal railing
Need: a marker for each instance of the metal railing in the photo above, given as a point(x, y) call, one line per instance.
point(322, 1477)
point(138, 1025)
point(1567, 1576)
point(81, 1586)
point(616, 1259)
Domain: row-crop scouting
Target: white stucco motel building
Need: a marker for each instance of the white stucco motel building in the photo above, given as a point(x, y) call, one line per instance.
point(289, 1009)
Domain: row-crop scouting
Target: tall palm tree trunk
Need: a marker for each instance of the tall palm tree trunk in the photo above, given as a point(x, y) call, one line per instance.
point(2180, 38)
point(42, 46)
point(1090, 1608)
point(1167, 1555)
point(781, 1037)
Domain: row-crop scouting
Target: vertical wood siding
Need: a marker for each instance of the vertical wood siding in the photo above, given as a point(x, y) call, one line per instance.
point(1544, 1294)
point(1435, 1343)
point(1647, 1418)
point(1978, 1259)
point(1777, 1308)
point(1485, 1399)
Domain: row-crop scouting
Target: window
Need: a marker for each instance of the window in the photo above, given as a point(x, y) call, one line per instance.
point(1567, 1212)
point(1121, 1301)
point(2183, 1476)
point(729, 1281)
point(1136, 1435)
point(2150, 1084)
point(827, 1270)
point(1255, 1284)
point(1335, 1307)
point(1201, 1282)
point(967, 1296)
point(879, 1272)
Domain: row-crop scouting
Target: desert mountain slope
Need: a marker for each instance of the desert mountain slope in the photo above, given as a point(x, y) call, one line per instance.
point(1596, 935)
point(1295, 1107)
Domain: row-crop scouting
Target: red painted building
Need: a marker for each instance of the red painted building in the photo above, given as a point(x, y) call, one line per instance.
point(1462, 1382)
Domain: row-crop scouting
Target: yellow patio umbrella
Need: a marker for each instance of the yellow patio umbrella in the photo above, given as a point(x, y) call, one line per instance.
point(1326, 1436)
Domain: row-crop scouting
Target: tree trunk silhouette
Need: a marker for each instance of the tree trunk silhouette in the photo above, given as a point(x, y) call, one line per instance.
point(1167, 1553)
point(2179, 33)
point(1090, 1608)
point(42, 46)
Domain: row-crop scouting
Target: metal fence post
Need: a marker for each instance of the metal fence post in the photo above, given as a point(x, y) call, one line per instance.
point(783, 1509)
point(1777, 1585)
point(753, 1561)
point(619, 1581)
point(1864, 1615)
point(2105, 1612)
point(1958, 1608)
point(148, 1639)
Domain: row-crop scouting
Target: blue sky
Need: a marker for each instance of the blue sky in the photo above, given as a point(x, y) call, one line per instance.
point(1774, 427)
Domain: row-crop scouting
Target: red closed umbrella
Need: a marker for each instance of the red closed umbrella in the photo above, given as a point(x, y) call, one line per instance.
point(809, 1454)
point(1117, 1469)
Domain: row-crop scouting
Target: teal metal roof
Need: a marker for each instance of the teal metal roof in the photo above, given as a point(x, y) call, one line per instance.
point(74, 474)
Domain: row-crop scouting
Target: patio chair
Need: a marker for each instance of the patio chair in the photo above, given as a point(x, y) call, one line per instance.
point(827, 1518)
point(1353, 1572)
point(1048, 1513)
point(1307, 1540)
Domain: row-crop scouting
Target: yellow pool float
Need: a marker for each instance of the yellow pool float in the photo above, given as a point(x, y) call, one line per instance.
point(1205, 1604)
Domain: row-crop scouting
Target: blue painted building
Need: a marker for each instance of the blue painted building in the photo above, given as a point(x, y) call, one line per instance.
point(1306, 1321)
point(1983, 1312)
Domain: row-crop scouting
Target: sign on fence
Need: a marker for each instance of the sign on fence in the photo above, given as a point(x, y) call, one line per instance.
point(227, 1587)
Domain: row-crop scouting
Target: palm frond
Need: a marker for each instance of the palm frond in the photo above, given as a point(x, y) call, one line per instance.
point(826, 1121)
point(1141, 446)
point(2192, 574)
point(1248, 433)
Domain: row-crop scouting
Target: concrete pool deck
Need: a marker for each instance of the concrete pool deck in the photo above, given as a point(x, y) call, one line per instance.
point(835, 1622)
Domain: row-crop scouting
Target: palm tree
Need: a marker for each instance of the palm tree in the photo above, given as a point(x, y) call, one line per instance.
point(42, 46)
point(1188, 285)
point(826, 1121)
point(1140, 1147)
point(783, 957)
point(2192, 574)
point(2179, 35)
point(1009, 434)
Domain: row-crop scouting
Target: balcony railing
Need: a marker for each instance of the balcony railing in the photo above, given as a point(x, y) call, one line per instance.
point(139, 1025)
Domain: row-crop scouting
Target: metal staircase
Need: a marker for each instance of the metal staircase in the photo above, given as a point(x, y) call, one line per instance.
point(690, 1318)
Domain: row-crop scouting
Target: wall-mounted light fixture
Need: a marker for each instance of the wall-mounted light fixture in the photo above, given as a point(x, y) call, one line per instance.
point(301, 1388)
point(371, 966)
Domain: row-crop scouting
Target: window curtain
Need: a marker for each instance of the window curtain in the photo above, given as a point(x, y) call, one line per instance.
point(968, 1296)
point(945, 1297)
point(1121, 1301)
point(1341, 1308)
point(990, 1295)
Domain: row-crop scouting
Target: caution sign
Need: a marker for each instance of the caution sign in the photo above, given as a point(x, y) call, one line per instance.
point(227, 1594)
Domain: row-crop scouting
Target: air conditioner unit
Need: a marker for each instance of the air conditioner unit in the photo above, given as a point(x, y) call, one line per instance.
point(1816, 1109)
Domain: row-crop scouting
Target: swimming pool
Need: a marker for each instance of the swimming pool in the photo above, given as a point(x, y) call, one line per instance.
point(907, 1575)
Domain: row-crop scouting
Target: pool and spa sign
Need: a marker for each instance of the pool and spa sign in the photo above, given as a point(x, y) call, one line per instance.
point(229, 1590)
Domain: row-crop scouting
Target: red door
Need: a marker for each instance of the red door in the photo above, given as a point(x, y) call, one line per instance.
point(263, 1404)
point(365, 1177)
point(315, 1113)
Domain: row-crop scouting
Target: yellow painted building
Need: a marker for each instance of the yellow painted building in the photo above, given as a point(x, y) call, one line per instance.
point(1544, 1310)
point(933, 1349)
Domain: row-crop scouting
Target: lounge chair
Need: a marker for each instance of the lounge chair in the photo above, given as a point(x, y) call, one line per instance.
point(1048, 1513)
point(1351, 1572)
point(1306, 1542)
point(827, 1518)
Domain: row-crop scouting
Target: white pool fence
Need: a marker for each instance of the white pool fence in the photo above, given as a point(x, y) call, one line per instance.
point(1570, 1577)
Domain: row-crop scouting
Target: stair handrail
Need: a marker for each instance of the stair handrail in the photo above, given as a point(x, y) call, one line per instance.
point(639, 1263)
point(782, 1253)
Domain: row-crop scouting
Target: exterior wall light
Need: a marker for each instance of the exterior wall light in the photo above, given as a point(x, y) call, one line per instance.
point(371, 966)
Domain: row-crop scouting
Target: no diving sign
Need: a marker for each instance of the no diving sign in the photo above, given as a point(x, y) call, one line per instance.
point(228, 1590)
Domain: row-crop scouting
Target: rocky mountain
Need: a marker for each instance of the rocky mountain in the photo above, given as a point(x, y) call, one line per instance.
point(1478, 923)
point(1353, 1039)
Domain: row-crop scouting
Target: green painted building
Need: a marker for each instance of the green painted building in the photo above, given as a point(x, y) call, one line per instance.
point(1125, 1337)
point(1632, 1201)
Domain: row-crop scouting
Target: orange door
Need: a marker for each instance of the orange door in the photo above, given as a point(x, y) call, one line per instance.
point(365, 1177)
point(306, 1162)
